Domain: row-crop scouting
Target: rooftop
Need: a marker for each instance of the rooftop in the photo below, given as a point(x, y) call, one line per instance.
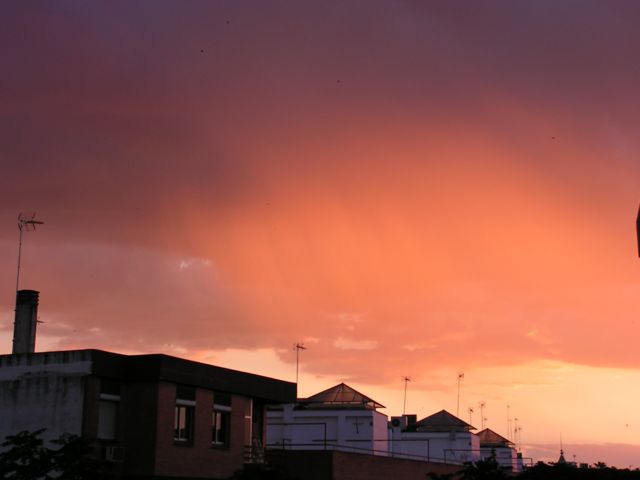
point(153, 367)
point(339, 396)
point(489, 438)
point(443, 421)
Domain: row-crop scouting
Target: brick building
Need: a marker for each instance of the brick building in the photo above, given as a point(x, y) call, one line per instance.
point(152, 415)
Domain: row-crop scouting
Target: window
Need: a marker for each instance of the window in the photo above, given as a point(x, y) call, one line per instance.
point(221, 420)
point(108, 409)
point(107, 418)
point(183, 424)
point(184, 414)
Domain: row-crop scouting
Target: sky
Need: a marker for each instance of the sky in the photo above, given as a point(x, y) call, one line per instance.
point(408, 188)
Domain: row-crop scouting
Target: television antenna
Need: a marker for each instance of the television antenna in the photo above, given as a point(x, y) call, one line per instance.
point(470, 415)
point(26, 222)
point(460, 377)
point(482, 417)
point(298, 347)
point(406, 380)
point(519, 432)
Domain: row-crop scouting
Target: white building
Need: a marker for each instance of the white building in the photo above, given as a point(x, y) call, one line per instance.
point(506, 455)
point(441, 437)
point(338, 418)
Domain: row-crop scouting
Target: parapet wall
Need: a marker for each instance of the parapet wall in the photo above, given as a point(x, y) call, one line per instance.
point(335, 465)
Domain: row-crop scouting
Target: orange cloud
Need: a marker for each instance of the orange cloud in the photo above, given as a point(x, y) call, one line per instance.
point(397, 185)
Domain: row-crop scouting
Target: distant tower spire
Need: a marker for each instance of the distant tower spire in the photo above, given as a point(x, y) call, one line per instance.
point(561, 459)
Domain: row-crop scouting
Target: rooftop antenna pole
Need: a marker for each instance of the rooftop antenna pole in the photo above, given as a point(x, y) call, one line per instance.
point(515, 432)
point(26, 222)
point(482, 417)
point(470, 415)
point(298, 347)
point(406, 380)
point(508, 421)
point(460, 377)
point(520, 438)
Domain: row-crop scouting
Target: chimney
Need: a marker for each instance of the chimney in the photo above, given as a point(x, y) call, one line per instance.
point(411, 420)
point(24, 327)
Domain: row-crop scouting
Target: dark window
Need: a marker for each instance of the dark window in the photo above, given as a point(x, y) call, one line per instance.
point(222, 398)
point(109, 387)
point(184, 392)
point(108, 409)
point(183, 423)
point(107, 419)
point(184, 414)
point(221, 420)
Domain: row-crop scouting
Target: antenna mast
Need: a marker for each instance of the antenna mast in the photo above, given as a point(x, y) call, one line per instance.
point(482, 417)
point(26, 223)
point(406, 380)
point(470, 415)
point(460, 377)
point(298, 347)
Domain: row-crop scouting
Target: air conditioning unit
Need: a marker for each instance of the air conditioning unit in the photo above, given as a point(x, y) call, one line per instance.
point(399, 422)
point(113, 453)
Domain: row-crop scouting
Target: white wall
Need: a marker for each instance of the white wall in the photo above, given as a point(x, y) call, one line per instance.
point(43, 392)
point(380, 434)
point(355, 430)
point(505, 456)
point(449, 447)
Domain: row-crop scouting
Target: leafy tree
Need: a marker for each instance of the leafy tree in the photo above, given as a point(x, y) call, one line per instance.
point(24, 457)
point(74, 461)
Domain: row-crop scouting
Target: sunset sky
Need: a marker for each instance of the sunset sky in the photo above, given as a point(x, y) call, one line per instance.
point(409, 188)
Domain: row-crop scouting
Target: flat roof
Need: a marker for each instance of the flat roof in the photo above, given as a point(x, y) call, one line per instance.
point(160, 367)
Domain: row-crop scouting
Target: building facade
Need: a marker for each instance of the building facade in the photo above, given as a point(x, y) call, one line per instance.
point(337, 418)
point(492, 443)
point(151, 415)
point(441, 437)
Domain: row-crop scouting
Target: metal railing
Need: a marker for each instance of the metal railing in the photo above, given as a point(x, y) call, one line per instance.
point(449, 454)
point(254, 453)
point(329, 445)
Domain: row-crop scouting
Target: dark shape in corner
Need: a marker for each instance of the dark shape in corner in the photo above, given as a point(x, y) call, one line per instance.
point(638, 230)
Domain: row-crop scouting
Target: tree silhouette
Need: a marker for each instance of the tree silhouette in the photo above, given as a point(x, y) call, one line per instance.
point(485, 469)
point(25, 457)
